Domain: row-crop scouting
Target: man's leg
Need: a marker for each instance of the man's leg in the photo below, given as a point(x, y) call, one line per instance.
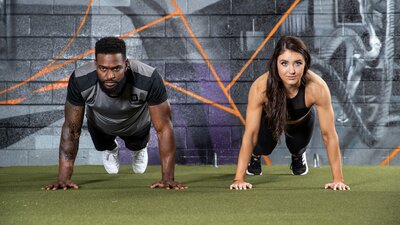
point(137, 144)
point(107, 144)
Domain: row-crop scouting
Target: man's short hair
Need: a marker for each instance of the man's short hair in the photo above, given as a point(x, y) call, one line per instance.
point(110, 45)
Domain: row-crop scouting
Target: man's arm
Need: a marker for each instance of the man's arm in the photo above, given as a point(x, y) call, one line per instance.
point(161, 118)
point(69, 143)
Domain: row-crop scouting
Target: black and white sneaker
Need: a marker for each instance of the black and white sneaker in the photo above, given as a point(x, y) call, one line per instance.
point(254, 167)
point(299, 164)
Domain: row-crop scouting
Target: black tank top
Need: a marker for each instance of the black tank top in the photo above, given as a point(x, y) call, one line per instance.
point(297, 106)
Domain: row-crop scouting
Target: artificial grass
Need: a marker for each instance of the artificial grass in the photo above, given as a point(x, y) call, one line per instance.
point(276, 198)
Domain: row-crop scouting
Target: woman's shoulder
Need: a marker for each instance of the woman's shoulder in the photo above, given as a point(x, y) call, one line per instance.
point(260, 84)
point(258, 89)
point(315, 81)
point(316, 86)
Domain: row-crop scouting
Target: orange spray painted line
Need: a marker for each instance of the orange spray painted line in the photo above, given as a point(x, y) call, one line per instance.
point(206, 58)
point(200, 98)
point(44, 70)
point(390, 157)
point(271, 33)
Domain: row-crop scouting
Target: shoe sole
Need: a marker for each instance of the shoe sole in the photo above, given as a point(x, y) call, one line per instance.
point(253, 174)
point(111, 173)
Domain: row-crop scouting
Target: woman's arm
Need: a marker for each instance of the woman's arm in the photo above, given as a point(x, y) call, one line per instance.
point(256, 100)
point(322, 98)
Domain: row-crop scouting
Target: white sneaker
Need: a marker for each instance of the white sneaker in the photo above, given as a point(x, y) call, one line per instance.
point(111, 160)
point(139, 160)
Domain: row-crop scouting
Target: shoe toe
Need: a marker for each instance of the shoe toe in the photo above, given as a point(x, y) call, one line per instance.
point(139, 170)
point(111, 170)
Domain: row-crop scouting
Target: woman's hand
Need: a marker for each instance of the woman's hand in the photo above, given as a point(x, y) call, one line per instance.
point(240, 185)
point(337, 186)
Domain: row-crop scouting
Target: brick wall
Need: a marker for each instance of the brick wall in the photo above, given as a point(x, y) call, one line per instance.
point(33, 33)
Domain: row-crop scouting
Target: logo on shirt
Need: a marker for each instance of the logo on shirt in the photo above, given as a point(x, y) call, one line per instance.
point(137, 98)
point(134, 98)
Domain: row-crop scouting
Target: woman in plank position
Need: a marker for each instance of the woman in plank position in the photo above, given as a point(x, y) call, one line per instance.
point(281, 101)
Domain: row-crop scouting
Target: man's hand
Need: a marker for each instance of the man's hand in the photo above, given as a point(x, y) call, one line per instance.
point(168, 184)
point(60, 185)
point(240, 185)
point(337, 186)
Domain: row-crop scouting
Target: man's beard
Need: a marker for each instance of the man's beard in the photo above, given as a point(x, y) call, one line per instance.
point(117, 89)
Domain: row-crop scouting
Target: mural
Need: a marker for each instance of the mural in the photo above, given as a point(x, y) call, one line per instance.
point(209, 53)
point(366, 39)
point(2, 31)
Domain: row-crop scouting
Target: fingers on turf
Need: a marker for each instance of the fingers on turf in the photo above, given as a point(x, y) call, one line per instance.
point(73, 185)
point(48, 187)
point(244, 186)
point(169, 186)
point(337, 186)
point(157, 185)
point(180, 187)
point(54, 187)
point(177, 186)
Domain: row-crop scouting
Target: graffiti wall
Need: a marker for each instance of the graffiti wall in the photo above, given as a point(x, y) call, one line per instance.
point(208, 52)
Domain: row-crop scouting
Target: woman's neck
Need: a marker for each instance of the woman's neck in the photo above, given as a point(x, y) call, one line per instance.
point(292, 90)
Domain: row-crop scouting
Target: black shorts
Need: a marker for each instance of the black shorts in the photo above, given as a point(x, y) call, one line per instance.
point(103, 141)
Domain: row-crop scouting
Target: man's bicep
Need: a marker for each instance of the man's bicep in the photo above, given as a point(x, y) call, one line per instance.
point(160, 115)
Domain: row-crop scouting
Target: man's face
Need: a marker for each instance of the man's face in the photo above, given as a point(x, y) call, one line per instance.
point(111, 70)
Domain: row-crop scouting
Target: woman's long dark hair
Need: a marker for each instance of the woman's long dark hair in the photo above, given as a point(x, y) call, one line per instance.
point(275, 107)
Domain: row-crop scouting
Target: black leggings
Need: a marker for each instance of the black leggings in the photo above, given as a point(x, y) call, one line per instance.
point(297, 136)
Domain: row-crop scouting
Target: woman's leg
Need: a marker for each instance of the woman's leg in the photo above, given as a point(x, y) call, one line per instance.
point(265, 145)
point(298, 136)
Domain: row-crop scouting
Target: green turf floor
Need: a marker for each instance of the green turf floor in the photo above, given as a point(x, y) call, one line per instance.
point(276, 198)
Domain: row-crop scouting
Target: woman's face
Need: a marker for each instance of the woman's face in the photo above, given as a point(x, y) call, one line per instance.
point(291, 67)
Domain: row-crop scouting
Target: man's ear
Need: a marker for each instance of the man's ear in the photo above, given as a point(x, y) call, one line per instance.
point(127, 65)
